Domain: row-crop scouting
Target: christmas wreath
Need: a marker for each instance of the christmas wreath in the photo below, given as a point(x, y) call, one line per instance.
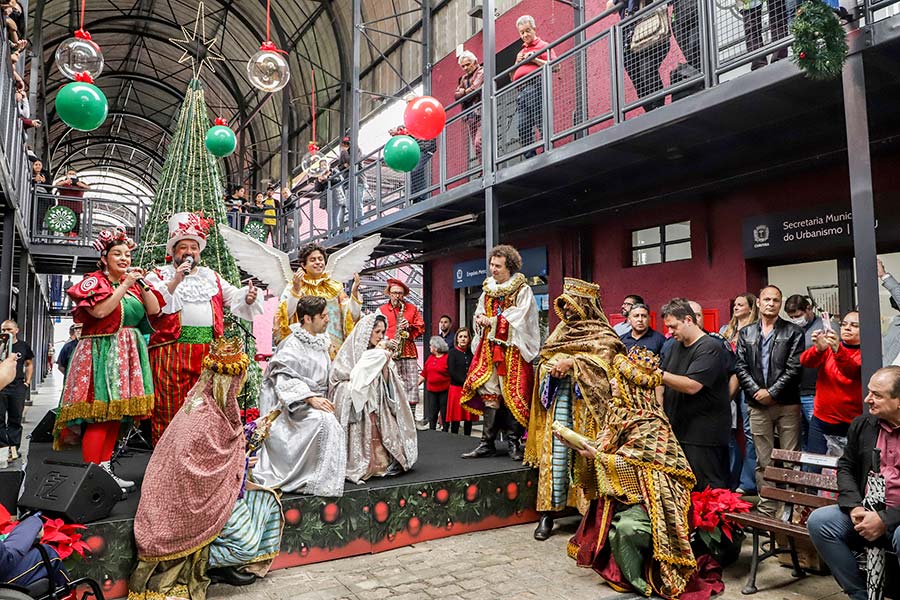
point(60, 219)
point(820, 42)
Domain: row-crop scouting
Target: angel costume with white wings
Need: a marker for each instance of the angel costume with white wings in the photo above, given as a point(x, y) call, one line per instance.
point(273, 267)
point(370, 403)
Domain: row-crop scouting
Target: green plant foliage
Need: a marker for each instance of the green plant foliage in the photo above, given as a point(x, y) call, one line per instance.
point(820, 42)
point(192, 182)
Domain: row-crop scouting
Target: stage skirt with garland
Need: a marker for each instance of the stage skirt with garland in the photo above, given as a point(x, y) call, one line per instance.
point(109, 377)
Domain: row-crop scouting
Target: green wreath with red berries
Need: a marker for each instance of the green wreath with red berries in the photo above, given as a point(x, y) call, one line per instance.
point(820, 42)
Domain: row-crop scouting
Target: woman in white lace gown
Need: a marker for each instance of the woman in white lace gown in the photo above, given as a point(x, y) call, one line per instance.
point(371, 405)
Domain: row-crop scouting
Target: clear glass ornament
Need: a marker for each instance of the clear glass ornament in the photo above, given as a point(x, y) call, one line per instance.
point(78, 55)
point(268, 70)
point(314, 164)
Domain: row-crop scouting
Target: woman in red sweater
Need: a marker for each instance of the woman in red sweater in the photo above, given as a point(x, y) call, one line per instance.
point(437, 382)
point(838, 397)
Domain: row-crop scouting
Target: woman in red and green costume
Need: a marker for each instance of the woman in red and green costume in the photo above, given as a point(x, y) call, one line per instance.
point(109, 378)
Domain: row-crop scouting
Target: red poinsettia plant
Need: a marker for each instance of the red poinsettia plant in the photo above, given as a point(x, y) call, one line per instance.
point(708, 518)
point(250, 414)
point(59, 535)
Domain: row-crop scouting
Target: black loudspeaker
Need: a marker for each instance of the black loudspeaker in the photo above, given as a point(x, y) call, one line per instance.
point(10, 484)
point(43, 431)
point(77, 492)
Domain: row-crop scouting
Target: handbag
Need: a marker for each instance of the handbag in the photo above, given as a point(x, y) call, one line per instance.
point(652, 30)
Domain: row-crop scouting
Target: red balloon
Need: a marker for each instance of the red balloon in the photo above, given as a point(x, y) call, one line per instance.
point(424, 117)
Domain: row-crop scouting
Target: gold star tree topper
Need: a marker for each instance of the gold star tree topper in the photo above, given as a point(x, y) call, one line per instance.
point(196, 47)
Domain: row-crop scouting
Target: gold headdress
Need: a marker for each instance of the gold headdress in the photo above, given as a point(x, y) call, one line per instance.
point(226, 357)
point(640, 367)
point(581, 297)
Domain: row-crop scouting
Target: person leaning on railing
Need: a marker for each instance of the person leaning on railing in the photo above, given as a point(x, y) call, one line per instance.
point(644, 53)
point(528, 98)
point(472, 79)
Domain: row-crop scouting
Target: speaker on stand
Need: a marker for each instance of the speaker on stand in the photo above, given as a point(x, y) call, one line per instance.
point(80, 493)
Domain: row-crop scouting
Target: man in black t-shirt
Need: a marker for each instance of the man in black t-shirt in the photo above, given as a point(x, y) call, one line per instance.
point(65, 354)
point(695, 395)
point(13, 396)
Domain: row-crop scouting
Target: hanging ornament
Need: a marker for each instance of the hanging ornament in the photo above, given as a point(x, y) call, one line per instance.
point(268, 69)
point(401, 153)
point(81, 105)
point(256, 230)
point(314, 163)
point(220, 139)
point(424, 117)
point(60, 219)
point(79, 54)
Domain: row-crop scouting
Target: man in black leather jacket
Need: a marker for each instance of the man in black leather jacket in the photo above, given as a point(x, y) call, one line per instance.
point(768, 368)
point(838, 531)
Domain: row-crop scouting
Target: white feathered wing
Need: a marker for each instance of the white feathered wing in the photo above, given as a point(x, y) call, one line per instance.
point(269, 265)
point(347, 261)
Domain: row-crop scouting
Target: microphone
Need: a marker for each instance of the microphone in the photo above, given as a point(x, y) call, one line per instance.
point(140, 281)
point(188, 260)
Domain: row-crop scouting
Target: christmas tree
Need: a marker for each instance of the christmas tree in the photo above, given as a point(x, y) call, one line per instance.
point(192, 182)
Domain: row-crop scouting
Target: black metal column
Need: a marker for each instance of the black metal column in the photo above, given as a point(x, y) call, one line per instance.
point(23, 312)
point(863, 206)
point(285, 168)
point(426, 47)
point(845, 280)
point(489, 58)
point(580, 76)
point(354, 113)
point(6, 263)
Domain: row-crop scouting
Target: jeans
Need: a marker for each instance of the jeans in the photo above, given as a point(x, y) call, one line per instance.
point(528, 113)
point(833, 535)
point(748, 472)
point(12, 406)
point(818, 429)
point(806, 405)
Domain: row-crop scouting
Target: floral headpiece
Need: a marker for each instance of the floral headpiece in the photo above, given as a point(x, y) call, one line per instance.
point(188, 226)
point(108, 237)
point(226, 357)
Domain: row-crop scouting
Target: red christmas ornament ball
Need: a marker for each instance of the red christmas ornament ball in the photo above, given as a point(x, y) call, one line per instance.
point(512, 491)
point(292, 516)
point(803, 55)
point(414, 526)
point(96, 543)
point(402, 502)
point(442, 496)
point(331, 512)
point(471, 493)
point(381, 512)
point(424, 117)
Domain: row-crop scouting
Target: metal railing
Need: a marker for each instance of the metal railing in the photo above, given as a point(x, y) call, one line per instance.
point(93, 212)
point(13, 152)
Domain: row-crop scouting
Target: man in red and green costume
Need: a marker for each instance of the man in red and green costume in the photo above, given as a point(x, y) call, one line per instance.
point(193, 316)
point(404, 324)
point(506, 339)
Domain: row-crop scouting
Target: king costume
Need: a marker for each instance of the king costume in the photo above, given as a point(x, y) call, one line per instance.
point(306, 451)
point(193, 316)
point(407, 355)
point(577, 399)
point(370, 402)
point(501, 377)
point(636, 532)
point(198, 517)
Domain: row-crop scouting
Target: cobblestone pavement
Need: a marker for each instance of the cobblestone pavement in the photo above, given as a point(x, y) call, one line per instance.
point(501, 563)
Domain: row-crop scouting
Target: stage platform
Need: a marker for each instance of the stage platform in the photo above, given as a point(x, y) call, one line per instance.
point(443, 495)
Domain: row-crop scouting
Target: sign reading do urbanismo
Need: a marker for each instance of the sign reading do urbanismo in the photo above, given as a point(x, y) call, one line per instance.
point(798, 232)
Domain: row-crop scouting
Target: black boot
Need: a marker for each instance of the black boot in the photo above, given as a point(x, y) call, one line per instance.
point(487, 447)
point(230, 575)
point(544, 527)
point(514, 441)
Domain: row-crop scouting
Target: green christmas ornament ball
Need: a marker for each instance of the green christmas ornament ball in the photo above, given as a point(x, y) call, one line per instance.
point(81, 106)
point(220, 141)
point(401, 153)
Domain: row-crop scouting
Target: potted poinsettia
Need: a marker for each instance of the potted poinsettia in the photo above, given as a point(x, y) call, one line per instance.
point(711, 531)
point(61, 536)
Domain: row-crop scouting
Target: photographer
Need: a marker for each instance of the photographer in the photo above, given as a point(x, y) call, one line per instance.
point(14, 394)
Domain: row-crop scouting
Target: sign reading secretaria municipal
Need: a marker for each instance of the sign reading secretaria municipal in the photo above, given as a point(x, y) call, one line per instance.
point(814, 229)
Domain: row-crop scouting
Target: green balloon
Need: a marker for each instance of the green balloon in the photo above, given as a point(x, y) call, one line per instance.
point(401, 153)
point(220, 141)
point(81, 106)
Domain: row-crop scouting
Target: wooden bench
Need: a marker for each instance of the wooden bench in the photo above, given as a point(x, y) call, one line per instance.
point(798, 490)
